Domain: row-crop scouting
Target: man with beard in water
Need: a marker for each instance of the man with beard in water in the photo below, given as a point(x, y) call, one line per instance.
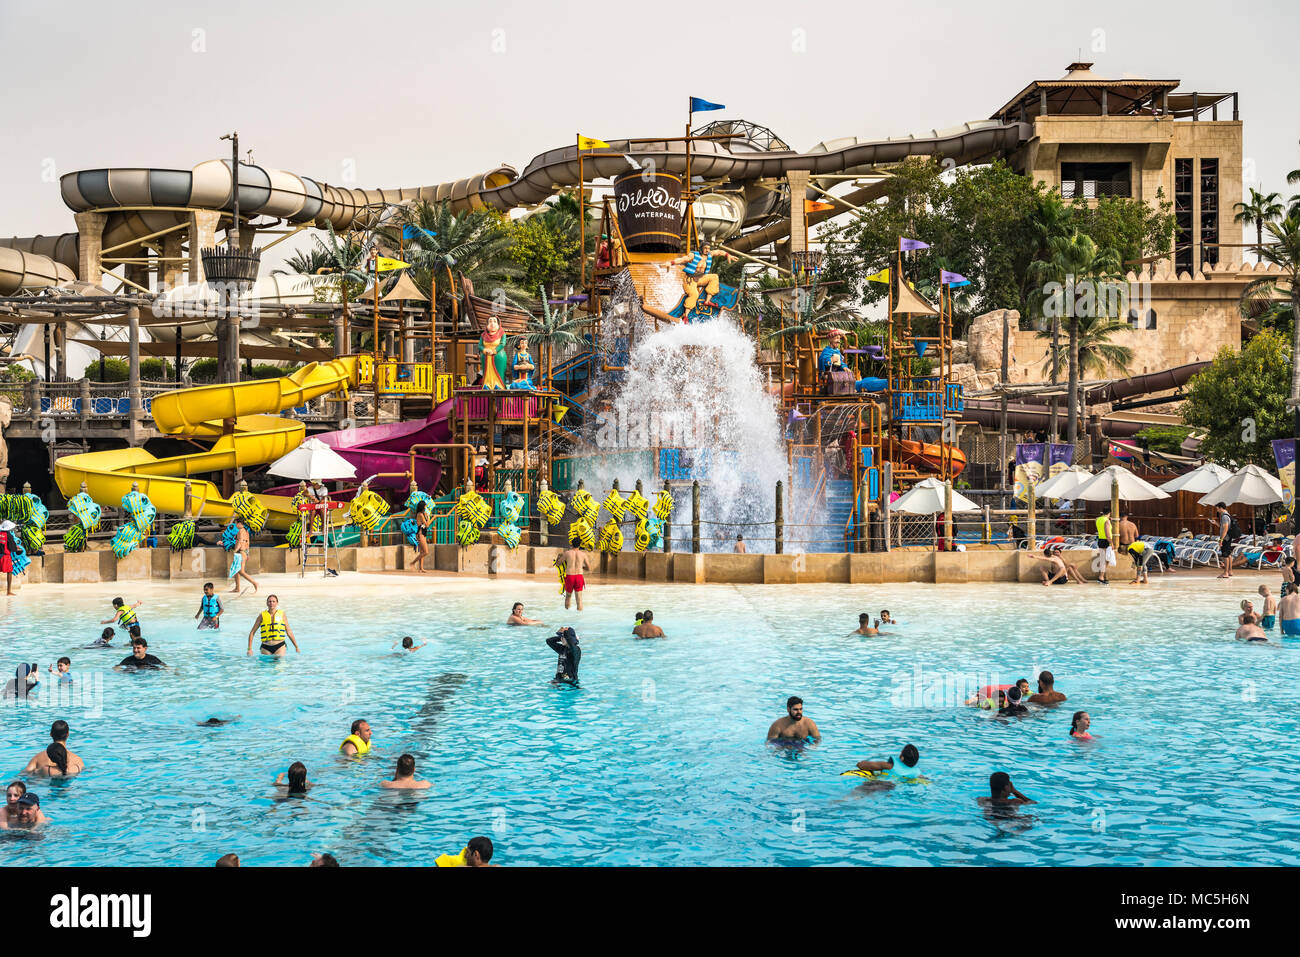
point(795, 726)
point(565, 644)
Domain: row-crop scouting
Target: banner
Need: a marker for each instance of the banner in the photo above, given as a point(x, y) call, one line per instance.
point(1029, 468)
point(1059, 458)
point(1284, 455)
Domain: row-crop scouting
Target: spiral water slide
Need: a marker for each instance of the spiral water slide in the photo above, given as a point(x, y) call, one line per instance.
point(141, 202)
point(260, 435)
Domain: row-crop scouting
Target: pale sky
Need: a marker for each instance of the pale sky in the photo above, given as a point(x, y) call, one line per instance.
point(407, 94)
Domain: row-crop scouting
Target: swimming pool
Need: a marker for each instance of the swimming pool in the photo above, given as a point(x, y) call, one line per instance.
point(659, 757)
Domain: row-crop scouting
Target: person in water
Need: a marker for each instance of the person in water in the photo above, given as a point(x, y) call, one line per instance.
point(1268, 613)
point(125, 616)
point(1247, 611)
point(1079, 726)
point(210, 608)
point(1013, 708)
point(323, 860)
point(273, 625)
point(11, 812)
point(795, 725)
point(27, 814)
point(227, 860)
point(885, 618)
point(65, 670)
point(408, 644)
point(295, 779)
point(1047, 693)
point(517, 616)
point(56, 760)
point(404, 777)
point(105, 639)
point(476, 853)
point(139, 658)
point(575, 564)
point(1249, 629)
point(865, 627)
point(1002, 793)
point(566, 645)
point(1288, 613)
point(358, 740)
point(905, 767)
point(647, 627)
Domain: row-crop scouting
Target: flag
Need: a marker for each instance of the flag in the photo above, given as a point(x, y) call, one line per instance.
point(384, 264)
point(410, 232)
point(812, 206)
point(558, 411)
point(591, 143)
point(906, 245)
point(953, 278)
point(703, 106)
point(882, 276)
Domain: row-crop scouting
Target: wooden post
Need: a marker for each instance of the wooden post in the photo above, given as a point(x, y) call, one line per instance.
point(1030, 519)
point(668, 529)
point(543, 529)
point(133, 374)
point(780, 517)
point(886, 488)
point(947, 514)
point(695, 517)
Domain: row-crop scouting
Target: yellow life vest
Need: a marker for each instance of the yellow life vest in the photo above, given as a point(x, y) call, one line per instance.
point(452, 860)
point(273, 627)
point(128, 616)
point(361, 746)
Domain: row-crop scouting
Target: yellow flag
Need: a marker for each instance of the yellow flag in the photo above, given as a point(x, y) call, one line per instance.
point(384, 264)
point(591, 143)
point(558, 411)
point(812, 206)
point(882, 276)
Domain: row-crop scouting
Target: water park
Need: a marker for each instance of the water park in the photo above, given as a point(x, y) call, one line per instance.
point(772, 393)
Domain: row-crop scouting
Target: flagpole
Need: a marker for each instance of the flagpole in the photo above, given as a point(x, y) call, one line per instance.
point(690, 200)
point(582, 218)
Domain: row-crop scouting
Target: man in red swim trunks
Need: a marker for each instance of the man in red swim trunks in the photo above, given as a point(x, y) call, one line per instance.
point(575, 564)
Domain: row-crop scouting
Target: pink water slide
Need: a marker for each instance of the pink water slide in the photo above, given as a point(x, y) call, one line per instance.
point(386, 448)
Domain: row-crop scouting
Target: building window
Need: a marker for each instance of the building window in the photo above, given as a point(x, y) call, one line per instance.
point(1182, 215)
point(1093, 180)
point(1209, 212)
point(1145, 320)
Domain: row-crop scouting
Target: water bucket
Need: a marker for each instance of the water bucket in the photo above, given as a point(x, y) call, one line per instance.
point(649, 211)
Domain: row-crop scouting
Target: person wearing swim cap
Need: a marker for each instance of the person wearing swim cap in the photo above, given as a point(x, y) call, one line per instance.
point(358, 740)
point(1013, 708)
point(1047, 693)
point(1079, 726)
point(904, 767)
point(565, 643)
point(1002, 793)
point(647, 628)
point(795, 725)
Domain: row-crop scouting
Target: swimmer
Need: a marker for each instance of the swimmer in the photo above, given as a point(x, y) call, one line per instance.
point(210, 608)
point(904, 767)
point(575, 565)
point(1047, 693)
point(794, 726)
point(323, 860)
point(27, 814)
point(125, 616)
point(1013, 708)
point(1079, 726)
point(517, 616)
point(1268, 615)
point(404, 777)
point(985, 697)
point(65, 670)
point(865, 627)
point(566, 644)
point(105, 639)
point(1288, 613)
point(139, 658)
point(274, 627)
point(739, 547)
point(1247, 611)
point(218, 722)
point(476, 853)
point(1002, 793)
point(25, 682)
point(1249, 629)
point(10, 812)
point(647, 628)
point(408, 644)
point(885, 618)
point(358, 740)
point(295, 779)
point(56, 760)
point(227, 860)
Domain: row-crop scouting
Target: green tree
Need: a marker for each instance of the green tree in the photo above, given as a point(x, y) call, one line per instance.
point(308, 262)
point(556, 329)
point(544, 251)
point(1239, 400)
point(1259, 210)
point(1279, 294)
point(1135, 230)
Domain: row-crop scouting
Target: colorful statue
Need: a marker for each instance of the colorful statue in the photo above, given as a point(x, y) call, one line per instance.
point(492, 355)
point(698, 275)
point(522, 366)
point(831, 357)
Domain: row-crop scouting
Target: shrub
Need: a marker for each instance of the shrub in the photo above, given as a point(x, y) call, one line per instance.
point(115, 370)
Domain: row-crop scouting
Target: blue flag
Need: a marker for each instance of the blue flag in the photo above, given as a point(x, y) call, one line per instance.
point(410, 232)
point(702, 106)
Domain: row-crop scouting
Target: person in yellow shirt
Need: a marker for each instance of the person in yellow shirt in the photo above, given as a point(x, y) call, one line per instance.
point(477, 853)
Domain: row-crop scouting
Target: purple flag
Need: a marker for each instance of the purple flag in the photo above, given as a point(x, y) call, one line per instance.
point(953, 278)
point(907, 245)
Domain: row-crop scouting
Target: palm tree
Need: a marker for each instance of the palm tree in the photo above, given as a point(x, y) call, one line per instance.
point(307, 262)
point(1280, 294)
point(1075, 265)
point(1097, 354)
point(1260, 210)
point(558, 329)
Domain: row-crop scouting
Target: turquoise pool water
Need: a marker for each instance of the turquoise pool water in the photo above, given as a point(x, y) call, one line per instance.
point(659, 758)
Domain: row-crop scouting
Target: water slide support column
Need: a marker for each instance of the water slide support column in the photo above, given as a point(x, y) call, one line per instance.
point(133, 376)
point(203, 233)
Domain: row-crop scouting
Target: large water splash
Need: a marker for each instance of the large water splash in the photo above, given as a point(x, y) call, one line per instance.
point(696, 391)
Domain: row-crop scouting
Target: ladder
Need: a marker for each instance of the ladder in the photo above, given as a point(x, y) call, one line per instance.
point(315, 555)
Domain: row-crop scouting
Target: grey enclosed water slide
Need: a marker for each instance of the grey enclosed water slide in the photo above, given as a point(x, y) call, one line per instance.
point(140, 202)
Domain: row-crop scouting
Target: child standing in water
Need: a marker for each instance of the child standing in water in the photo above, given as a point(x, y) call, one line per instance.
point(125, 616)
point(210, 608)
point(1269, 612)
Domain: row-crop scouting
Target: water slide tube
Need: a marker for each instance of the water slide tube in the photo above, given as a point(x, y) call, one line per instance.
point(296, 199)
point(199, 413)
point(376, 449)
point(928, 455)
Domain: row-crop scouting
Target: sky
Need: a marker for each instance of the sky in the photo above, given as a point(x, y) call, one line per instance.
point(387, 95)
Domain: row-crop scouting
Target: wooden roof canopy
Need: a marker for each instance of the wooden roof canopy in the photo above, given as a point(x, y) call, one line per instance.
point(1078, 93)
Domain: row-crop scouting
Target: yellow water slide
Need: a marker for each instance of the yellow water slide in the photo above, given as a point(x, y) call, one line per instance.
point(200, 413)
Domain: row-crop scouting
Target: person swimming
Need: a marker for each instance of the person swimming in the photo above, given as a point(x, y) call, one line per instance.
point(905, 767)
point(865, 627)
point(1013, 708)
point(1268, 614)
point(794, 725)
point(294, 780)
point(408, 644)
point(1079, 726)
point(124, 615)
point(1249, 629)
point(1002, 793)
point(105, 639)
point(1047, 693)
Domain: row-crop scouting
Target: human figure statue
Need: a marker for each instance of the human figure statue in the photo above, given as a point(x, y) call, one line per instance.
point(492, 355)
point(699, 275)
point(830, 364)
point(522, 366)
point(6, 416)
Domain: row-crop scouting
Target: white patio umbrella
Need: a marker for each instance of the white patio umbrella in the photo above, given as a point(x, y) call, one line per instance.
point(1202, 479)
point(1250, 486)
point(313, 460)
point(927, 498)
point(1115, 478)
point(1063, 484)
